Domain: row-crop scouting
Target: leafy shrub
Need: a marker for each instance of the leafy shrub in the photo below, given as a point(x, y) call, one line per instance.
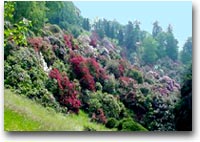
point(159, 115)
point(135, 74)
point(16, 33)
point(99, 116)
point(149, 81)
point(98, 86)
point(24, 74)
point(132, 126)
point(62, 67)
point(110, 105)
point(127, 124)
point(113, 68)
point(111, 123)
point(89, 128)
point(110, 85)
point(54, 28)
point(144, 90)
point(43, 45)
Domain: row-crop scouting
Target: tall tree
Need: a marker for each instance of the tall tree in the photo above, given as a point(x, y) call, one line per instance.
point(161, 38)
point(137, 32)
point(129, 36)
point(186, 53)
point(171, 44)
point(156, 29)
point(150, 49)
point(63, 13)
point(120, 37)
point(86, 24)
point(34, 11)
point(53, 13)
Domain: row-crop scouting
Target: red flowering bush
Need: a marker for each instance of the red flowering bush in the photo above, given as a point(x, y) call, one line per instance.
point(127, 82)
point(82, 72)
point(121, 69)
point(123, 66)
point(95, 70)
point(55, 74)
point(76, 62)
point(88, 71)
point(67, 94)
point(87, 81)
point(68, 40)
point(36, 43)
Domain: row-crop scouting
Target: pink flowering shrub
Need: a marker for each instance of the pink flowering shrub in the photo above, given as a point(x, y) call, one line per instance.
point(99, 116)
point(36, 43)
point(68, 40)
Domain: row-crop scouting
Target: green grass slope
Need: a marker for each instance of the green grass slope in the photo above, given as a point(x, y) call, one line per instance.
point(22, 114)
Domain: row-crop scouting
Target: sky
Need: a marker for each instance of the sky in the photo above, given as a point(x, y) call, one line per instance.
point(178, 14)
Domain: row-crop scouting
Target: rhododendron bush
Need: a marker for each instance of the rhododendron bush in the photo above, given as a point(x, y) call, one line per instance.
point(88, 71)
point(67, 95)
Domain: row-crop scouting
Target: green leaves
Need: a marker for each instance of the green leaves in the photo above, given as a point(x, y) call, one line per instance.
point(186, 53)
point(17, 33)
point(150, 48)
point(8, 10)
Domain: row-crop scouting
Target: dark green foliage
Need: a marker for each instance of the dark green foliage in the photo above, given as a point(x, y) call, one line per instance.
point(132, 126)
point(113, 68)
point(135, 74)
point(110, 85)
point(120, 37)
point(161, 39)
point(33, 10)
point(64, 14)
point(159, 114)
point(107, 28)
point(110, 105)
point(111, 123)
point(183, 110)
point(156, 29)
point(144, 91)
point(86, 24)
point(128, 124)
point(186, 53)
point(171, 46)
point(89, 128)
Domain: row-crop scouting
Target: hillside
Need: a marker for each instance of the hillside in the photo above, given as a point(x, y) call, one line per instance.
point(116, 76)
point(22, 114)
